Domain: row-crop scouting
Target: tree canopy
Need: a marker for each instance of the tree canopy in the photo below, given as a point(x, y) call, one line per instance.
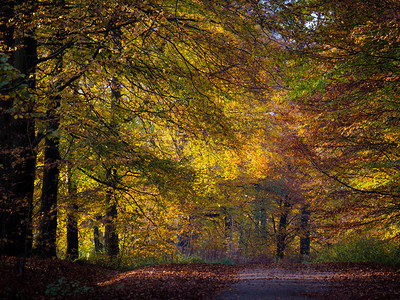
point(151, 130)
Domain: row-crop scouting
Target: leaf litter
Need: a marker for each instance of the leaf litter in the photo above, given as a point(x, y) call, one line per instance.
point(61, 279)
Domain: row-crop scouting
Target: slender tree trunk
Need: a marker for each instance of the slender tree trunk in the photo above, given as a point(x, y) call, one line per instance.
point(228, 231)
point(263, 222)
point(47, 239)
point(110, 234)
point(17, 153)
point(305, 239)
point(72, 234)
point(282, 228)
point(72, 217)
point(98, 245)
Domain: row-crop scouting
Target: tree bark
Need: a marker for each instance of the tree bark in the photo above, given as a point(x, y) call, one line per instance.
point(6, 103)
point(110, 234)
point(305, 240)
point(47, 240)
point(17, 153)
point(72, 234)
point(111, 240)
point(72, 217)
point(228, 220)
point(282, 228)
point(98, 245)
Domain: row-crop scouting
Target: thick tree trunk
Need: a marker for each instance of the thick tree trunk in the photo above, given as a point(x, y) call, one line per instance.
point(17, 153)
point(7, 240)
point(6, 103)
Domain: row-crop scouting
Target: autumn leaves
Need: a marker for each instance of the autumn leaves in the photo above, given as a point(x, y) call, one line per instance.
point(135, 117)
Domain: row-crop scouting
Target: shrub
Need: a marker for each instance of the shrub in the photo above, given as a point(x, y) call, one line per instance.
point(364, 249)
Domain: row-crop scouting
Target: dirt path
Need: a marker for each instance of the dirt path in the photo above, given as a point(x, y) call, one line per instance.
point(279, 282)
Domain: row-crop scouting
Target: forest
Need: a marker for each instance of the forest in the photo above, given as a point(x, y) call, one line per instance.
point(138, 133)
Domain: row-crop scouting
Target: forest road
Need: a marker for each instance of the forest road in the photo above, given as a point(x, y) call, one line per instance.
point(278, 282)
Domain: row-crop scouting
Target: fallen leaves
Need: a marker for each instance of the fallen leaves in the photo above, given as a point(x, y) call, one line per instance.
point(193, 281)
point(363, 280)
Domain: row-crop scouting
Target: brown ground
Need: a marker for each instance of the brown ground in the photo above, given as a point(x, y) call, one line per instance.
point(195, 281)
point(198, 281)
point(315, 281)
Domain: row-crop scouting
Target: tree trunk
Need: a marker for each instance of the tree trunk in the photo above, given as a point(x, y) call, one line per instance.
point(98, 245)
point(47, 240)
point(282, 228)
point(305, 239)
point(110, 234)
point(263, 222)
point(72, 234)
point(5, 134)
point(111, 240)
point(72, 218)
point(228, 220)
point(17, 153)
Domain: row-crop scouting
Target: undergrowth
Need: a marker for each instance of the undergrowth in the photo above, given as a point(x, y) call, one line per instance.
point(364, 249)
point(130, 263)
point(63, 288)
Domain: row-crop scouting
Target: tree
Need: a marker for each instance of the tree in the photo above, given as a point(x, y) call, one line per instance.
point(130, 83)
point(18, 155)
point(72, 215)
point(112, 180)
point(344, 81)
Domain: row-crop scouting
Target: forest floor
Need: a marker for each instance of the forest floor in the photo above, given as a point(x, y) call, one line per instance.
point(57, 279)
point(315, 281)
